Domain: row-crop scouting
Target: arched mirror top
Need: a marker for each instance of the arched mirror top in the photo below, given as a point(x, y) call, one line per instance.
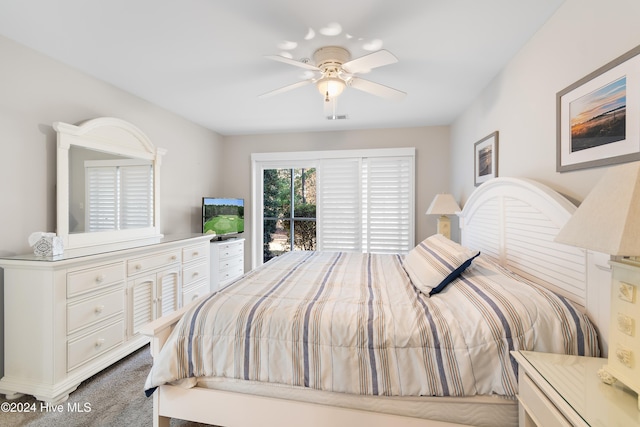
point(99, 163)
point(108, 134)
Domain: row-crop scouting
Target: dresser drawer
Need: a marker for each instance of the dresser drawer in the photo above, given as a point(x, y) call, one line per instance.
point(231, 263)
point(96, 277)
point(624, 345)
point(92, 310)
point(139, 265)
point(232, 249)
point(194, 273)
point(538, 406)
point(193, 253)
point(89, 346)
point(195, 291)
point(229, 274)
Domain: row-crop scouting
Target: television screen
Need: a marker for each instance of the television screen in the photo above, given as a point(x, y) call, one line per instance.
point(222, 216)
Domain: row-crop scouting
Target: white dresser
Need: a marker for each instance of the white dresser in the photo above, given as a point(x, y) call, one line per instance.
point(67, 318)
point(227, 262)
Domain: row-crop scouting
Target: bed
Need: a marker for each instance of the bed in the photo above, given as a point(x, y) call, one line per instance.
point(347, 339)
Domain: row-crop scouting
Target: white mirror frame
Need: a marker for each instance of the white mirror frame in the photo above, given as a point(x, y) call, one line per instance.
point(110, 135)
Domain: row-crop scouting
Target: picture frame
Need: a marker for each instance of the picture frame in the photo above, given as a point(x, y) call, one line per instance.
point(485, 159)
point(598, 117)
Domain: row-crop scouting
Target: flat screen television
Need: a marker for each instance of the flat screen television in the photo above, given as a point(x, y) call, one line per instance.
point(222, 216)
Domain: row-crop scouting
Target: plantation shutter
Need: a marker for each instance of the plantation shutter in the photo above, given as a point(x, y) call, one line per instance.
point(339, 205)
point(101, 196)
point(365, 198)
point(366, 204)
point(119, 195)
point(136, 208)
point(387, 187)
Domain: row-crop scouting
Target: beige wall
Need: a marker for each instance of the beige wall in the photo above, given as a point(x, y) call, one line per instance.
point(432, 160)
point(37, 91)
point(580, 37)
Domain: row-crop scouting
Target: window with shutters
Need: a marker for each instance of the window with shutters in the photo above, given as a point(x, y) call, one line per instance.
point(365, 198)
point(119, 194)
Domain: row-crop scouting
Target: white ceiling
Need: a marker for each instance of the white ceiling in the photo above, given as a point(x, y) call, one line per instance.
point(204, 59)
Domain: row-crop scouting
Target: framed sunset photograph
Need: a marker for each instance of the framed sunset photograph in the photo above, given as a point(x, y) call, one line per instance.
point(486, 159)
point(598, 117)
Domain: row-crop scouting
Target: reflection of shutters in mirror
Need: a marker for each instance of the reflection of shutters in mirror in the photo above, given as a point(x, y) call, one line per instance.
point(101, 197)
point(136, 196)
point(118, 196)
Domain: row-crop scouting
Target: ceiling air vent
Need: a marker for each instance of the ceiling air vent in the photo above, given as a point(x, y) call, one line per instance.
point(337, 117)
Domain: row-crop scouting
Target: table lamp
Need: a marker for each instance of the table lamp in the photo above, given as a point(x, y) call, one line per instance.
point(443, 205)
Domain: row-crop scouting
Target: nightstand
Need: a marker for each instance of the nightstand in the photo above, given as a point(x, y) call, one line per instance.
point(561, 390)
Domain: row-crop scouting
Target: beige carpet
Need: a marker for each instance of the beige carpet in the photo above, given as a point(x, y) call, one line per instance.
point(113, 397)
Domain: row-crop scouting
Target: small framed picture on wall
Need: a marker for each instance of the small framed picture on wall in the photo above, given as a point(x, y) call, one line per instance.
point(485, 159)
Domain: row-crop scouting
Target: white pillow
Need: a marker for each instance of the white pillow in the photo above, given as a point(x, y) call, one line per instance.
point(435, 262)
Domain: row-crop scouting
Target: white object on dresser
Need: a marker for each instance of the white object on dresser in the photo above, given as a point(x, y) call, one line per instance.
point(67, 318)
point(624, 339)
point(561, 390)
point(227, 262)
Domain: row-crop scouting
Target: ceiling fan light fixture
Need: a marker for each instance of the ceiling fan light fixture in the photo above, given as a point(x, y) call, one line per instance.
point(330, 87)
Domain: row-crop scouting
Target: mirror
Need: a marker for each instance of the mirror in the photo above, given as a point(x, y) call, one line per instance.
point(108, 192)
point(108, 186)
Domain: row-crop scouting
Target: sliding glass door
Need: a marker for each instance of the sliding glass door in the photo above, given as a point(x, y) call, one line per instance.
point(289, 210)
point(350, 201)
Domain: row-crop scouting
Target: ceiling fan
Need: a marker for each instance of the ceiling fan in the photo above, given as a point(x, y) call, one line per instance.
point(335, 71)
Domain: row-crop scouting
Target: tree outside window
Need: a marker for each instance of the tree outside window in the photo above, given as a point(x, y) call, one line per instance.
point(289, 225)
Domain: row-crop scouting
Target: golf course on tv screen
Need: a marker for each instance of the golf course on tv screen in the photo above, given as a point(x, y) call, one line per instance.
point(222, 216)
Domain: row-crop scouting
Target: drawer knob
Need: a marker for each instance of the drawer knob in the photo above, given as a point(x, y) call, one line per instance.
point(195, 274)
point(173, 257)
point(627, 292)
point(625, 324)
point(624, 356)
point(99, 309)
point(100, 278)
point(195, 297)
point(196, 253)
point(138, 267)
point(99, 342)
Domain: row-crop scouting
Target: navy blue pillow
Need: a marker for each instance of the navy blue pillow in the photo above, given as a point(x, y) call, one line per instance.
point(455, 273)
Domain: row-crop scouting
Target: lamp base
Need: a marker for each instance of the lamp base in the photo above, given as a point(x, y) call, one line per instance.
point(444, 226)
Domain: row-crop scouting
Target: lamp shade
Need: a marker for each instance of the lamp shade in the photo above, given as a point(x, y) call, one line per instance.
point(330, 87)
point(443, 204)
point(608, 220)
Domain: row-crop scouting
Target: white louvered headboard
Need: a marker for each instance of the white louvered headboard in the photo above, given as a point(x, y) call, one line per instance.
point(514, 221)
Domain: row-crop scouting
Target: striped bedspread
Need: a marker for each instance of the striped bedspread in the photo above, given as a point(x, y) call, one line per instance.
point(354, 323)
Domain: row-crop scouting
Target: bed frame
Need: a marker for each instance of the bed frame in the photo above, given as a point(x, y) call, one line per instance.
point(514, 221)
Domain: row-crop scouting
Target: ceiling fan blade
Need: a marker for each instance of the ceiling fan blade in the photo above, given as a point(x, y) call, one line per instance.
point(286, 88)
point(376, 89)
point(293, 62)
point(369, 62)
